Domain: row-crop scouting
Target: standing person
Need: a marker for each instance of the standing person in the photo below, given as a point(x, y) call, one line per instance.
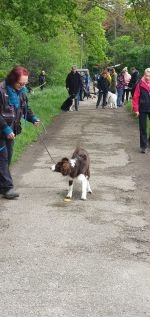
point(94, 83)
point(126, 89)
point(87, 81)
point(141, 107)
point(113, 83)
point(108, 75)
point(42, 79)
point(120, 88)
point(134, 79)
point(13, 105)
point(103, 87)
point(73, 85)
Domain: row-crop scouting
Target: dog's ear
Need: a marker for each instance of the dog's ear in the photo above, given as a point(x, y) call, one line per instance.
point(58, 167)
point(65, 159)
point(66, 168)
point(83, 157)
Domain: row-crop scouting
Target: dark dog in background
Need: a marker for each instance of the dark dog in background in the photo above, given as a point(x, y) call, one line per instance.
point(67, 104)
point(76, 167)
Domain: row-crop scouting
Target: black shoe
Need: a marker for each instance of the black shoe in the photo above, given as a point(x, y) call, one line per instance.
point(10, 194)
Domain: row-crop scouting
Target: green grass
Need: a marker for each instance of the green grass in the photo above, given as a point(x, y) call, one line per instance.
point(45, 105)
point(128, 106)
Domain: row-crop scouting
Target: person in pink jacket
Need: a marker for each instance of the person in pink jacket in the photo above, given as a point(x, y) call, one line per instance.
point(141, 107)
point(126, 89)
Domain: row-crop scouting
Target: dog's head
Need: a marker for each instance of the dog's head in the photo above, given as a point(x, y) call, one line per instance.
point(63, 167)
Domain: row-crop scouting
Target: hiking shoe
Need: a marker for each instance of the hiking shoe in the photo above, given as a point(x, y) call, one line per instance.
point(10, 194)
point(144, 151)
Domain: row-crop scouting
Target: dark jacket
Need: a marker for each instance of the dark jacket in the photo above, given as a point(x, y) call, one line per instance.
point(42, 79)
point(73, 83)
point(103, 84)
point(10, 117)
point(134, 78)
point(141, 98)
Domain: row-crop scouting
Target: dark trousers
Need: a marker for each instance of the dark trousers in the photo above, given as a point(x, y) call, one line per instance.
point(6, 151)
point(125, 95)
point(143, 129)
point(100, 94)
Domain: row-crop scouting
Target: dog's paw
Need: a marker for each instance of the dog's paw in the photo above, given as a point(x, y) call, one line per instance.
point(68, 196)
point(53, 167)
point(83, 198)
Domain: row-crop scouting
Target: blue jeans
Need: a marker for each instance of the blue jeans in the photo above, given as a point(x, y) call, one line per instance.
point(119, 96)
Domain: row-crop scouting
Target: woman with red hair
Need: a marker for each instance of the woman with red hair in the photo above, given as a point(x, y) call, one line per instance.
point(13, 106)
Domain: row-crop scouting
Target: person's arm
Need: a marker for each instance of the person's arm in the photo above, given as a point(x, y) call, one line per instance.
point(28, 114)
point(4, 127)
point(67, 81)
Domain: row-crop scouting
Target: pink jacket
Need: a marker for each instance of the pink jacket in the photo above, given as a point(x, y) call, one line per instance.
point(136, 96)
point(127, 78)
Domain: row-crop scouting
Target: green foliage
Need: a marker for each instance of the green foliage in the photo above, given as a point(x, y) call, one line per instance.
point(138, 16)
point(120, 49)
point(129, 53)
point(45, 35)
point(94, 34)
point(14, 44)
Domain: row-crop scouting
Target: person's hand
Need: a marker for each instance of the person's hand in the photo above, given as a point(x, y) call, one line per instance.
point(11, 136)
point(137, 114)
point(36, 123)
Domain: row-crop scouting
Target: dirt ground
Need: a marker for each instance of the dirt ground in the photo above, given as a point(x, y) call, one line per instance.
point(80, 258)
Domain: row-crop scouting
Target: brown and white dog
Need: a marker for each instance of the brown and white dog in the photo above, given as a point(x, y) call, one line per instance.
point(76, 167)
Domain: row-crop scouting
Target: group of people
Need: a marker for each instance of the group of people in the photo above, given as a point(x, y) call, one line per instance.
point(124, 84)
point(121, 84)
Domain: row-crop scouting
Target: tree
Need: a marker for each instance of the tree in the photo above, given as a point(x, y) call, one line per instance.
point(138, 15)
point(94, 35)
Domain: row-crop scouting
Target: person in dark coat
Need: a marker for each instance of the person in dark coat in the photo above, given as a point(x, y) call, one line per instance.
point(134, 79)
point(13, 105)
point(73, 85)
point(103, 87)
point(42, 80)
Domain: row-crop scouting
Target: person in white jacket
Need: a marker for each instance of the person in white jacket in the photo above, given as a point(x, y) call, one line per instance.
point(126, 90)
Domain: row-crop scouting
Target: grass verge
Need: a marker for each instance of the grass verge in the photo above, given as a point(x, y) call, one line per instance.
point(45, 105)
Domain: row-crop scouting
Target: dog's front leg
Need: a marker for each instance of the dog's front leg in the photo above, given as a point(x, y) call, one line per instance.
point(83, 181)
point(89, 190)
point(70, 190)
